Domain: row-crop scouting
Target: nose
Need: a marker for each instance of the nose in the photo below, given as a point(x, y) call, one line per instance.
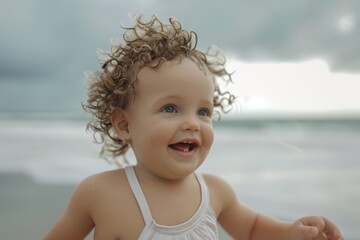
point(191, 123)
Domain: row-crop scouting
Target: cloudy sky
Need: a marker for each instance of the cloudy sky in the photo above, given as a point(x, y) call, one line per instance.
point(300, 55)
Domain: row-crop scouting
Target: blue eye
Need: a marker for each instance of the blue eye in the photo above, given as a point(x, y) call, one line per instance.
point(169, 109)
point(204, 112)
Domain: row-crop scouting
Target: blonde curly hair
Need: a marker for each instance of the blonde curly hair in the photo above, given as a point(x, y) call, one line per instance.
point(149, 43)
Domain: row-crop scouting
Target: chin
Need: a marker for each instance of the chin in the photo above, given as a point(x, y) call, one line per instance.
point(182, 169)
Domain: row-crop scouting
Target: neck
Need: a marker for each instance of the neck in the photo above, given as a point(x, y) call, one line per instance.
point(144, 175)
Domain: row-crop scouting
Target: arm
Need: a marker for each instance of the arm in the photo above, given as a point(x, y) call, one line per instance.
point(312, 227)
point(243, 223)
point(75, 222)
point(315, 227)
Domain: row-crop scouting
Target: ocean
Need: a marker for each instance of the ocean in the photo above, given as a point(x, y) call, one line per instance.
point(284, 168)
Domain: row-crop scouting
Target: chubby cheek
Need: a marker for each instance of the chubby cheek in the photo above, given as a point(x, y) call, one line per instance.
point(161, 132)
point(154, 141)
point(151, 133)
point(207, 136)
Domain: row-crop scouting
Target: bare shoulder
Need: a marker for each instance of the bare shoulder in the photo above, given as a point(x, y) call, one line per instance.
point(215, 181)
point(235, 218)
point(107, 177)
point(99, 192)
point(101, 183)
point(217, 184)
point(86, 204)
point(221, 192)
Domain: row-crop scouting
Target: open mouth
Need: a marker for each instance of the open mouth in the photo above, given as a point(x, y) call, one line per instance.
point(185, 146)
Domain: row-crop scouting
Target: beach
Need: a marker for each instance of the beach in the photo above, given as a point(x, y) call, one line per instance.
point(28, 209)
point(286, 169)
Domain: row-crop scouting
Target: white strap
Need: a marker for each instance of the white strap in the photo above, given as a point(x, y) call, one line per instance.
point(141, 199)
point(205, 196)
point(138, 193)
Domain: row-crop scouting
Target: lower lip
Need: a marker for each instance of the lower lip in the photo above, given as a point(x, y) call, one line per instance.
point(183, 154)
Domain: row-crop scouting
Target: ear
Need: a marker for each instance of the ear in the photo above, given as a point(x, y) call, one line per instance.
point(120, 123)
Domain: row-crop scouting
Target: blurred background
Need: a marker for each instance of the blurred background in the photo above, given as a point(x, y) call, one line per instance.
point(290, 147)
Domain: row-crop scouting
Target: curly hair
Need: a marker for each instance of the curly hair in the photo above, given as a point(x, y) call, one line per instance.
point(147, 44)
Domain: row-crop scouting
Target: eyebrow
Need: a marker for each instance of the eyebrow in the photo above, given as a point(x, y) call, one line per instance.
point(210, 103)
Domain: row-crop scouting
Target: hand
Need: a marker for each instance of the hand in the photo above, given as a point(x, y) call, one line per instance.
point(316, 228)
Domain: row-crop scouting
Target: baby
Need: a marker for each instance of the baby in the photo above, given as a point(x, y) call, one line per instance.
point(157, 94)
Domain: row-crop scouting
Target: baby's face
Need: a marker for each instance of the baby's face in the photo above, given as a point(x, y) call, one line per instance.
point(169, 122)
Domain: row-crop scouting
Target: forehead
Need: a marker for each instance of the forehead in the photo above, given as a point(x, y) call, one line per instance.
point(174, 77)
point(179, 77)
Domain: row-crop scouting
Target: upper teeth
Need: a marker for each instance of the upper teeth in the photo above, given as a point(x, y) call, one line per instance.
point(187, 149)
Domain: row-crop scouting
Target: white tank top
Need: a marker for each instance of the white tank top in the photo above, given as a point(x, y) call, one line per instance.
point(202, 225)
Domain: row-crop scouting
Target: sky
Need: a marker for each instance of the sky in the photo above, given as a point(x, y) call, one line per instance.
point(298, 56)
